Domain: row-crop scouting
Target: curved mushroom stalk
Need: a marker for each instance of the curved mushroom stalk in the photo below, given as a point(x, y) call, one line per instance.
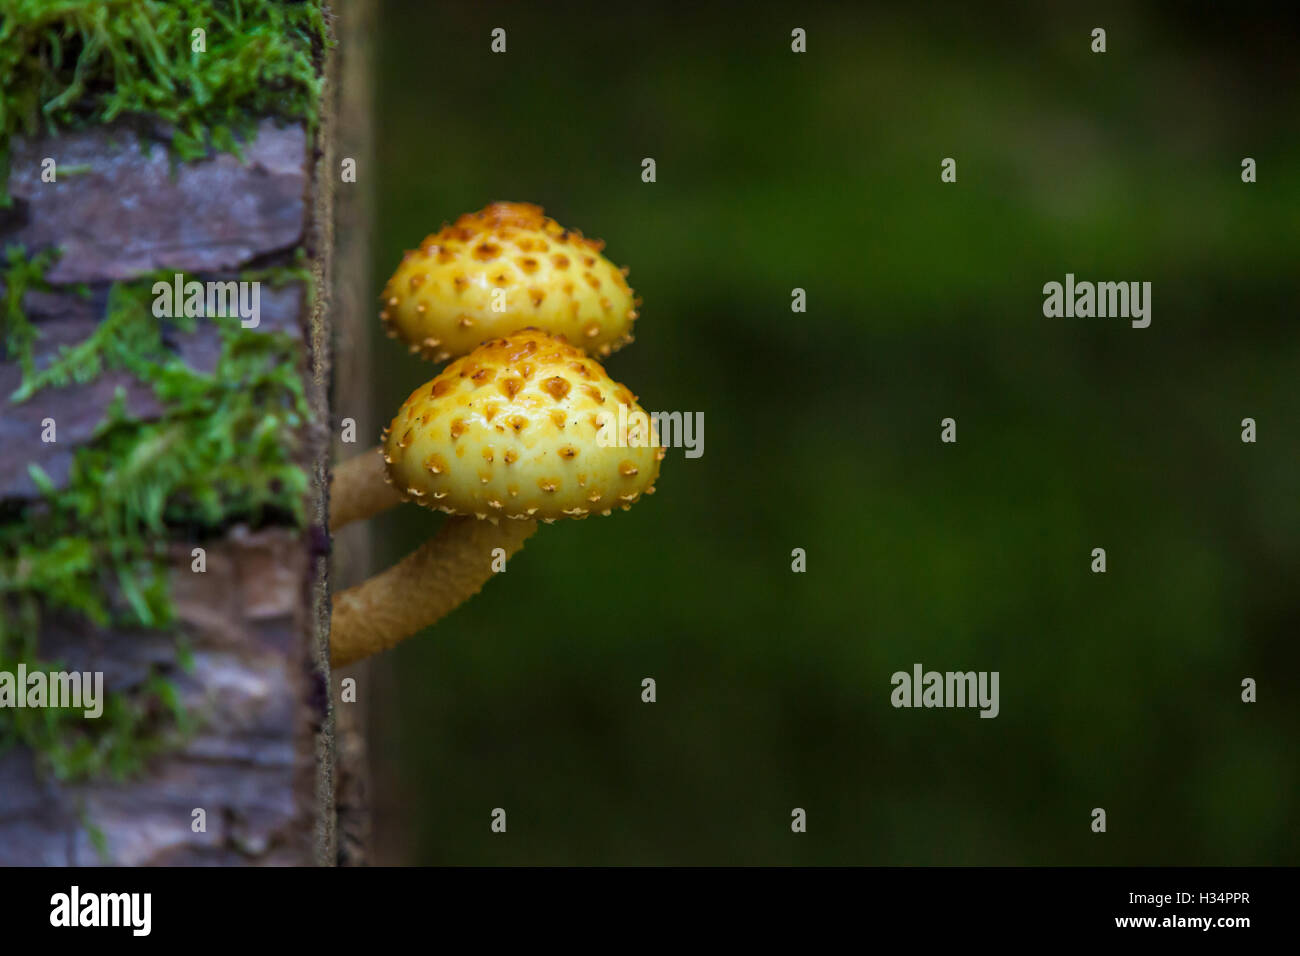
point(429, 583)
point(360, 489)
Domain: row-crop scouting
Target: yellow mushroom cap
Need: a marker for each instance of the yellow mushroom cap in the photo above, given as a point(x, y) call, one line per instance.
point(526, 426)
point(535, 272)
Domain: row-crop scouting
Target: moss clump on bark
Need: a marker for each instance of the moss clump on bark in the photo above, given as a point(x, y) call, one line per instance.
point(68, 63)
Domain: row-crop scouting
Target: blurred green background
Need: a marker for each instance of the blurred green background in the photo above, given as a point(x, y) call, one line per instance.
point(821, 171)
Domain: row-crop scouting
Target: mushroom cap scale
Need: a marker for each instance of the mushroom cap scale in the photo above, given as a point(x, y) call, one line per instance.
point(498, 270)
point(526, 426)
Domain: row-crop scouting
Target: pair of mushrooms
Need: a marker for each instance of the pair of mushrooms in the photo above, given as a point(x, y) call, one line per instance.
point(518, 428)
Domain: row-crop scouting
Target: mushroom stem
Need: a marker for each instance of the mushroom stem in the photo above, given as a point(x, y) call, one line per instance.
point(360, 489)
point(427, 584)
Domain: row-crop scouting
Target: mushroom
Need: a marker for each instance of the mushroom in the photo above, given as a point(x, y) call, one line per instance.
point(490, 274)
point(498, 270)
point(524, 428)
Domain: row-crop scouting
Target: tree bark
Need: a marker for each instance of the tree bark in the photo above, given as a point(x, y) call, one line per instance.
point(261, 762)
point(354, 314)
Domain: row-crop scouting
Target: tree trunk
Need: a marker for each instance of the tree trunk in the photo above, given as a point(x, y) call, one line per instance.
point(355, 313)
point(247, 652)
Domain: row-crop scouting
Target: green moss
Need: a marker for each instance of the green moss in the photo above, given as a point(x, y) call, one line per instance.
point(69, 63)
point(225, 449)
point(21, 274)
